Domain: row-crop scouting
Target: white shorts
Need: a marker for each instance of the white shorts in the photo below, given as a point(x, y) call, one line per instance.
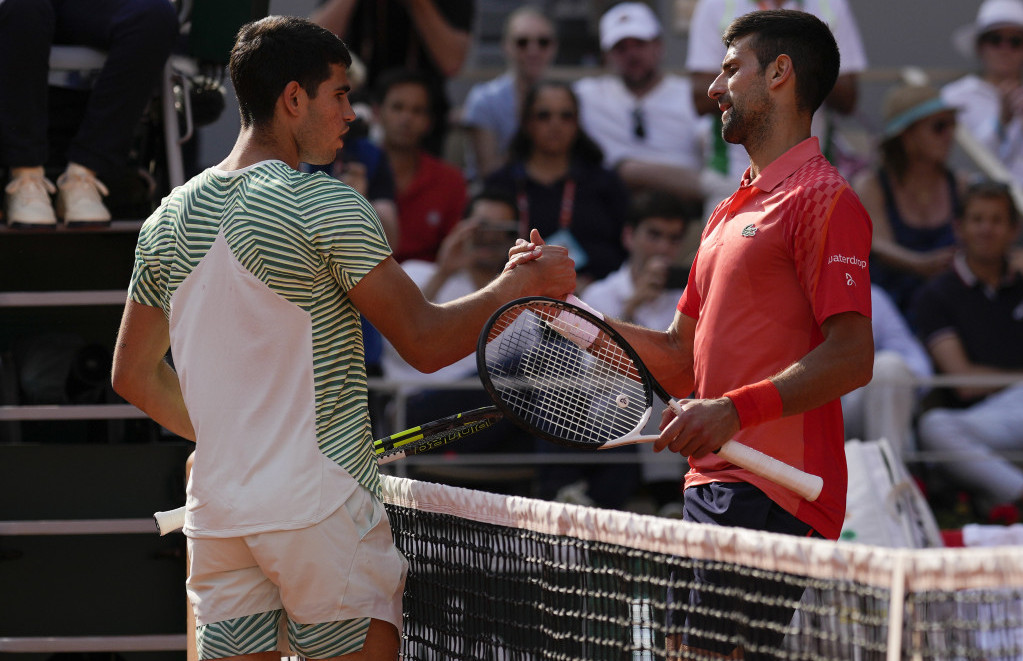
point(342, 570)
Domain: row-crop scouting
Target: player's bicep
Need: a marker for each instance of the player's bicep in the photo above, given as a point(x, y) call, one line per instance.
point(832, 261)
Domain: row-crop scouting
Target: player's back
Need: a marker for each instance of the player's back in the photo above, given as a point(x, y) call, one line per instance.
point(253, 268)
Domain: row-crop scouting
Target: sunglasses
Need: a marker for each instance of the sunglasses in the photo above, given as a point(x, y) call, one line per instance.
point(638, 124)
point(547, 115)
point(996, 39)
point(523, 42)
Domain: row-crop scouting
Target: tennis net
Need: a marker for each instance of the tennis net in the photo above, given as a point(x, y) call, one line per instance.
point(496, 577)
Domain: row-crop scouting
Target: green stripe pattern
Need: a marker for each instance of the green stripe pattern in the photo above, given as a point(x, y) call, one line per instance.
point(248, 634)
point(310, 239)
point(330, 639)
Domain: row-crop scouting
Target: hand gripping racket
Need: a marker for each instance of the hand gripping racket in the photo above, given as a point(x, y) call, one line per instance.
point(565, 375)
point(414, 440)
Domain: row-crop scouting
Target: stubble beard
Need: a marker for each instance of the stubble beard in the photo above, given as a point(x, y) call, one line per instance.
point(748, 124)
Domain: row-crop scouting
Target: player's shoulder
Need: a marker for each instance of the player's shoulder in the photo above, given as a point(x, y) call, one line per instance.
point(819, 176)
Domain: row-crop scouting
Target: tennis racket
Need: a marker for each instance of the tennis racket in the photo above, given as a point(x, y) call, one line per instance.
point(563, 374)
point(414, 440)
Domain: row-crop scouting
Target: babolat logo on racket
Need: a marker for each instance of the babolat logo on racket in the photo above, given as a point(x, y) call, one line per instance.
point(455, 434)
point(749, 230)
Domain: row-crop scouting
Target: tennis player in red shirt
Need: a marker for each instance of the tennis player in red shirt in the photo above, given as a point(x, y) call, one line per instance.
point(774, 325)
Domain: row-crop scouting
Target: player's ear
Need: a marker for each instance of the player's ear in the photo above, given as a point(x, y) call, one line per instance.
point(780, 71)
point(292, 97)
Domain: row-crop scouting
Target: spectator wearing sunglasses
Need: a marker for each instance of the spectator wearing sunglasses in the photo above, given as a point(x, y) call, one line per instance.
point(641, 116)
point(990, 102)
point(491, 112)
point(554, 171)
point(913, 197)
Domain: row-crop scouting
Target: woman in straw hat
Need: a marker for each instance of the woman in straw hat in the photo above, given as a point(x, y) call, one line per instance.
point(990, 102)
point(913, 196)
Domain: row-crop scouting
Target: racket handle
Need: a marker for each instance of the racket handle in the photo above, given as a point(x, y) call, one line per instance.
point(386, 459)
point(806, 485)
point(167, 522)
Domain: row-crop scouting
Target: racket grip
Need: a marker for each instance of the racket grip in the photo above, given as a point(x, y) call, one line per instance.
point(389, 458)
point(806, 485)
point(167, 522)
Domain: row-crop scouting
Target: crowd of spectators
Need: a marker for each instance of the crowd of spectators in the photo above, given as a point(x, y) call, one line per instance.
point(616, 166)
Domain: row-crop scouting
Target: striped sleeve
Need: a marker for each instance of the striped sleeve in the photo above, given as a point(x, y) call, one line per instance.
point(346, 232)
point(147, 283)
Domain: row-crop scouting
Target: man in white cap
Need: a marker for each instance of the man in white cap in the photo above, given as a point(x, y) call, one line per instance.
point(991, 103)
point(641, 116)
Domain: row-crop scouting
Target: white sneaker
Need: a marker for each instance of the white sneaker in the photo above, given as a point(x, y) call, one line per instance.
point(28, 200)
point(79, 200)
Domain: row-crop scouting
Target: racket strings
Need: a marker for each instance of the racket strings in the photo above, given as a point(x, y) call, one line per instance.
point(583, 396)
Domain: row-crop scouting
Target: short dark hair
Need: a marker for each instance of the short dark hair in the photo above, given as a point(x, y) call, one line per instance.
point(393, 77)
point(656, 204)
point(804, 38)
point(273, 51)
point(992, 190)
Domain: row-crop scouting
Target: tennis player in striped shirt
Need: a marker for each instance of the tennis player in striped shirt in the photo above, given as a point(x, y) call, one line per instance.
point(254, 275)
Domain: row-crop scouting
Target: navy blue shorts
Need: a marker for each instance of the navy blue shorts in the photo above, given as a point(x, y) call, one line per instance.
point(734, 614)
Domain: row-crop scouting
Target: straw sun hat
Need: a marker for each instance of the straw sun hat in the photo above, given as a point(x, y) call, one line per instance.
point(907, 104)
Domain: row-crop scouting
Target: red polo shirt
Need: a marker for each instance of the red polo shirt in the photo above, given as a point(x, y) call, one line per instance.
point(429, 208)
point(777, 258)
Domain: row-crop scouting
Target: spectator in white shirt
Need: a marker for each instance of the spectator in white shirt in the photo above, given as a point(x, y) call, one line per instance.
point(640, 115)
point(990, 102)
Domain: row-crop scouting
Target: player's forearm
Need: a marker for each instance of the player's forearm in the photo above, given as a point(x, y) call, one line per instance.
point(843, 362)
point(664, 355)
point(158, 395)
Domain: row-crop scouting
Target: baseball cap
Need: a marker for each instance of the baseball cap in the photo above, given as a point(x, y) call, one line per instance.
point(993, 14)
point(625, 20)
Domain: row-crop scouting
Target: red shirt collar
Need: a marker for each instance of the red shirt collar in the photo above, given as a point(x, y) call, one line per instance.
point(780, 168)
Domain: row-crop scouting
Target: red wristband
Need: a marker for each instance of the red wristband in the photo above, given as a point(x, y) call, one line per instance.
point(756, 403)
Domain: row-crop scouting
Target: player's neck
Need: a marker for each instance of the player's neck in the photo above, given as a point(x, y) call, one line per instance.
point(254, 146)
point(779, 137)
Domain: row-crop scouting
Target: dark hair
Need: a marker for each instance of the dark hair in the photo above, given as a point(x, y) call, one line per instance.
point(656, 204)
point(273, 51)
point(583, 148)
point(492, 194)
point(804, 38)
point(992, 190)
point(394, 77)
